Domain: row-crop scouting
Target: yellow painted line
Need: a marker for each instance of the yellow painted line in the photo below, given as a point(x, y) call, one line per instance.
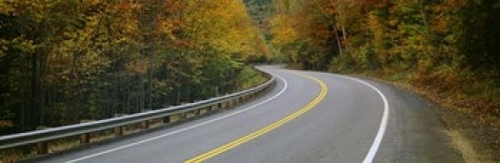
point(262, 131)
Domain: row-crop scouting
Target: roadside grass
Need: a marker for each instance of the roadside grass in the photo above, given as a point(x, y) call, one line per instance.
point(12, 155)
point(249, 78)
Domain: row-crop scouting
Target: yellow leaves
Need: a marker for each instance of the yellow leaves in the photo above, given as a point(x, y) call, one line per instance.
point(128, 6)
point(3, 47)
point(284, 29)
point(222, 25)
point(94, 61)
point(138, 67)
point(262, 48)
point(377, 29)
point(24, 44)
point(169, 27)
point(5, 8)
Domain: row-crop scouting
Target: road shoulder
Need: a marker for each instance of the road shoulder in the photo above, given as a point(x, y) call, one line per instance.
point(476, 141)
point(415, 132)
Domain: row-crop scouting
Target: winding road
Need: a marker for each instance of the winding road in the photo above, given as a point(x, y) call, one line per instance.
point(307, 117)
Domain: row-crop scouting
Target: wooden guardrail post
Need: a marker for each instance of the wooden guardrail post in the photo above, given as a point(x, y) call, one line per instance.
point(119, 131)
point(42, 148)
point(85, 138)
point(145, 124)
point(166, 119)
point(235, 102)
point(41, 139)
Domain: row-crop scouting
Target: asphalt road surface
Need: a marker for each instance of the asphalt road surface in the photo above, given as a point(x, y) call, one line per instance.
point(307, 117)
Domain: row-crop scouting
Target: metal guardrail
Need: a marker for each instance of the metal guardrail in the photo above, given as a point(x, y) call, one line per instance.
point(168, 115)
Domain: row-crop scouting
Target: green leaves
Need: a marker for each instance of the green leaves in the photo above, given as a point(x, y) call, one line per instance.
point(67, 60)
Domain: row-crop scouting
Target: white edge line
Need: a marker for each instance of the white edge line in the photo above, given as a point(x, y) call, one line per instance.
point(383, 123)
point(184, 129)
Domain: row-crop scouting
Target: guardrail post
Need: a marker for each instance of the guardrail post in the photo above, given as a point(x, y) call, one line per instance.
point(166, 119)
point(84, 138)
point(42, 148)
point(176, 114)
point(119, 131)
point(145, 124)
point(190, 114)
point(234, 102)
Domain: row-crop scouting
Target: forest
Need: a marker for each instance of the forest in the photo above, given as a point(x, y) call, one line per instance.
point(444, 50)
point(447, 48)
point(70, 61)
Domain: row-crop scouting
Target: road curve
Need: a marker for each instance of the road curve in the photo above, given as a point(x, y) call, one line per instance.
point(307, 117)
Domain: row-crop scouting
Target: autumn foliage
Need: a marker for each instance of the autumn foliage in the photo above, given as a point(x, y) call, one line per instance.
point(448, 49)
point(442, 45)
point(66, 61)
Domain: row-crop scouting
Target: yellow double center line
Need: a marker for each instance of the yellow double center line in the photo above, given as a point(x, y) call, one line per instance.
point(262, 131)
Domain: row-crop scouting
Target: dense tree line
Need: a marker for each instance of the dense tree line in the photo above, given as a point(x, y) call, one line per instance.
point(446, 46)
point(63, 61)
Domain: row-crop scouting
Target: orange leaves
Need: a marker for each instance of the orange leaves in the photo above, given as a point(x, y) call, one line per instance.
point(174, 6)
point(262, 48)
point(182, 44)
point(125, 6)
point(6, 124)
